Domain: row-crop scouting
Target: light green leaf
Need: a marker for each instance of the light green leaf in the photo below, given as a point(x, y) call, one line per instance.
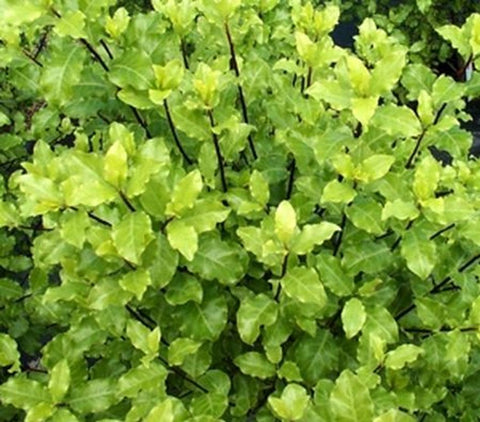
point(170, 410)
point(394, 415)
point(9, 355)
point(387, 71)
point(255, 364)
point(73, 227)
point(212, 404)
point(457, 38)
point(92, 396)
point(40, 412)
point(332, 92)
point(132, 69)
point(374, 167)
point(136, 282)
point(184, 288)
point(59, 382)
point(23, 393)
point(168, 77)
point(419, 252)
point(427, 176)
point(338, 192)
point(142, 338)
point(185, 193)
point(353, 317)
point(292, 404)
point(115, 165)
point(398, 358)
point(253, 313)
point(333, 275)
point(180, 348)
point(205, 215)
point(365, 213)
point(72, 23)
point(219, 260)
point(397, 121)
point(364, 108)
point(381, 323)
point(142, 378)
point(132, 235)
point(303, 285)
point(105, 293)
point(204, 321)
point(400, 209)
point(259, 188)
point(350, 399)
point(311, 235)
point(117, 24)
point(183, 238)
point(285, 221)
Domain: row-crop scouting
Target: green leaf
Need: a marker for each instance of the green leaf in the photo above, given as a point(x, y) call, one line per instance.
point(92, 396)
point(170, 410)
point(350, 399)
point(419, 252)
point(132, 69)
point(400, 209)
point(23, 393)
point(132, 235)
point(204, 321)
point(142, 338)
point(427, 176)
point(181, 348)
point(365, 213)
point(398, 358)
point(397, 121)
point(59, 382)
point(394, 415)
point(9, 355)
point(381, 323)
point(40, 412)
point(255, 364)
point(183, 238)
point(253, 313)
point(142, 378)
point(332, 92)
point(285, 221)
point(292, 404)
point(116, 25)
point(303, 285)
point(184, 288)
point(219, 260)
point(416, 78)
point(73, 227)
point(115, 166)
point(205, 215)
point(456, 37)
point(374, 167)
point(259, 188)
point(338, 192)
point(185, 193)
point(333, 276)
point(72, 23)
point(387, 71)
point(364, 108)
point(210, 404)
point(311, 235)
point(105, 293)
point(161, 261)
point(353, 317)
point(136, 282)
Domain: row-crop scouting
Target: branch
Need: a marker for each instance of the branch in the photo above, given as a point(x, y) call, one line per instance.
point(438, 233)
point(338, 241)
point(127, 202)
point(217, 151)
point(174, 132)
point(95, 54)
point(291, 179)
point(243, 104)
point(183, 48)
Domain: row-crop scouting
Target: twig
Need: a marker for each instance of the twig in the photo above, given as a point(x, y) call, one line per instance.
point(174, 132)
point(291, 178)
point(241, 97)
point(338, 240)
point(127, 202)
point(438, 233)
point(217, 151)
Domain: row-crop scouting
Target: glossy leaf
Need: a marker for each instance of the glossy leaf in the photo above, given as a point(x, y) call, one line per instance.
point(254, 313)
point(292, 403)
point(353, 317)
point(303, 285)
point(255, 365)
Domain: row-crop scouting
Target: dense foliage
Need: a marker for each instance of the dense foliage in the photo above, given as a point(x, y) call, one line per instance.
point(212, 212)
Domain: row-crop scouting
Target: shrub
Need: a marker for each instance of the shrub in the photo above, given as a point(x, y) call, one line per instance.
point(225, 216)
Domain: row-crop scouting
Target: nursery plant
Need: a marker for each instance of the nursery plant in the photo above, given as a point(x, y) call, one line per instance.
point(211, 212)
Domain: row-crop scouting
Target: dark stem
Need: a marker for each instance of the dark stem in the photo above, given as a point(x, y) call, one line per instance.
point(140, 121)
point(309, 76)
point(95, 54)
point(127, 202)
point(183, 48)
point(438, 233)
point(107, 50)
point(415, 150)
point(32, 58)
point(291, 178)
point(243, 103)
point(338, 241)
point(41, 44)
point(174, 132)
point(218, 152)
point(98, 219)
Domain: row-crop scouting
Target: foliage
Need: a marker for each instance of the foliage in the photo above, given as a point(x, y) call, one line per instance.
point(212, 212)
